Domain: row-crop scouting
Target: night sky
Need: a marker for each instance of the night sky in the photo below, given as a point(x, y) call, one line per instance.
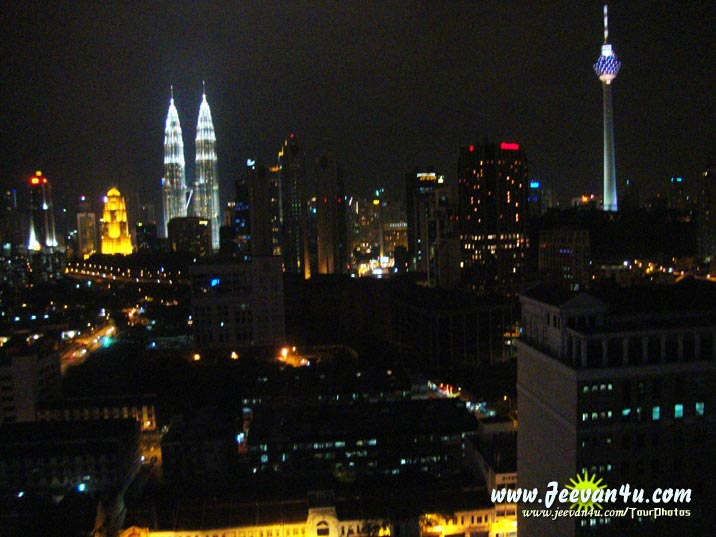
point(387, 86)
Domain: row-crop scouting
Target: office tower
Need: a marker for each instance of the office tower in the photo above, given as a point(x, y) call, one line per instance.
point(607, 68)
point(707, 214)
point(292, 193)
point(86, 234)
point(10, 223)
point(492, 216)
point(174, 189)
point(190, 235)
point(146, 237)
point(261, 194)
point(42, 219)
point(431, 211)
point(237, 305)
point(275, 209)
point(678, 197)
point(366, 227)
point(535, 199)
point(563, 257)
point(619, 382)
point(629, 200)
point(206, 184)
point(331, 217)
point(419, 197)
point(45, 261)
point(241, 224)
point(115, 228)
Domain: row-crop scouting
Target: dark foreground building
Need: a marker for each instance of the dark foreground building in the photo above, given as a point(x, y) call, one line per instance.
point(620, 383)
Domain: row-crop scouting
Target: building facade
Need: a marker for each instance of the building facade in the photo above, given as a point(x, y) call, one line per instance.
point(55, 459)
point(431, 207)
point(237, 305)
point(190, 235)
point(619, 383)
point(294, 208)
point(29, 374)
point(86, 234)
point(563, 256)
point(331, 217)
point(492, 214)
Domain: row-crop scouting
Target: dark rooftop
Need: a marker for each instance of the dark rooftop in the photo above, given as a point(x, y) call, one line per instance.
point(362, 420)
point(57, 437)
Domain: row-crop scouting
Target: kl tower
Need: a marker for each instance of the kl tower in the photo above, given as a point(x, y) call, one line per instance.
point(607, 67)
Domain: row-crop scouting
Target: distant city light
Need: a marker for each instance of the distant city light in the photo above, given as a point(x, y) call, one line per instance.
point(534, 184)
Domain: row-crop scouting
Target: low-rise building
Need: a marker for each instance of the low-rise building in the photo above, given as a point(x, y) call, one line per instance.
point(29, 374)
point(141, 408)
point(357, 440)
point(55, 458)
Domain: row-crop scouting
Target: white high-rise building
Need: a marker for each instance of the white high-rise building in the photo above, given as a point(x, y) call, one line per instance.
point(205, 202)
point(174, 189)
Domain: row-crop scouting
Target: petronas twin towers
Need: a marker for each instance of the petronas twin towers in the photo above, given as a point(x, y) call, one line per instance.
point(202, 197)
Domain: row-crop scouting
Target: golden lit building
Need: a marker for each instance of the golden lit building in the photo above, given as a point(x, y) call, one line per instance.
point(115, 229)
point(296, 518)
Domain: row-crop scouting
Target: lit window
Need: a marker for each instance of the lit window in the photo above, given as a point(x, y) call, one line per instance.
point(655, 413)
point(699, 409)
point(678, 411)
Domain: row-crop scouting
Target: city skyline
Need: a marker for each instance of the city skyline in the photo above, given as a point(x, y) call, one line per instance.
point(406, 83)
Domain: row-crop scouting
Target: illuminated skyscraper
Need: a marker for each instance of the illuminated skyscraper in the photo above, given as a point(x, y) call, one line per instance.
point(42, 219)
point(206, 185)
point(607, 68)
point(292, 193)
point(174, 182)
point(492, 199)
point(115, 228)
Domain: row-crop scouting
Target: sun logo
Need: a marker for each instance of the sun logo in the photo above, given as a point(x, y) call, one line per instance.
point(586, 492)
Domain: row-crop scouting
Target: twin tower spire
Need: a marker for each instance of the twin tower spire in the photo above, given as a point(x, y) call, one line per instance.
point(202, 197)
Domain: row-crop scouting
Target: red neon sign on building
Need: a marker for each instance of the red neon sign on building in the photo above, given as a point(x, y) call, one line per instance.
point(507, 146)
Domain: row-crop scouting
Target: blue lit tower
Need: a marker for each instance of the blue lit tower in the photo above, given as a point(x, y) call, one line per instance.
point(607, 67)
point(174, 181)
point(206, 185)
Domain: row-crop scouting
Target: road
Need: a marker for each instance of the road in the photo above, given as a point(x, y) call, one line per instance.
point(83, 345)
